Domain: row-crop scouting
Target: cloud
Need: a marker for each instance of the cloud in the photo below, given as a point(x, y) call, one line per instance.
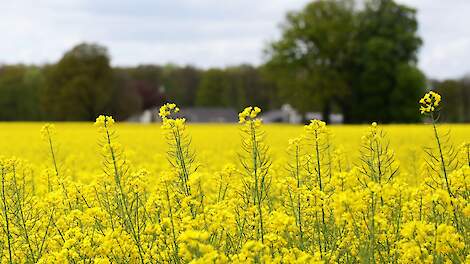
point(443, 25)
point(205, 33)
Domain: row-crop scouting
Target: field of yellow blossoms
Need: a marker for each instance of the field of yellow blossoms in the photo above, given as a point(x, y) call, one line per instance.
point(249, 193)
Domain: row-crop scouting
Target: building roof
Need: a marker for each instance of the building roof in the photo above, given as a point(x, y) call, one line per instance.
point(209, 114)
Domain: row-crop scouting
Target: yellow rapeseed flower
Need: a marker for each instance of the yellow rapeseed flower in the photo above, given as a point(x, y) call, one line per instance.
point(429, 102)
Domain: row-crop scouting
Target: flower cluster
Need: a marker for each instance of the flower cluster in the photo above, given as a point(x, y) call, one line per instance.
point(103, 121)
point(171, 125)
point(167, 109)
point(429, 102)
point(249, 113)
point(47, 131)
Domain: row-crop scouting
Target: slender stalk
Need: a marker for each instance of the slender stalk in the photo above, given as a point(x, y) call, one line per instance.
point(299, 209)
point(122, 197)
point(7, 222)
point(19, 202)
point(181, 161)
point(173, 233)
point(56, 167)
point(441, 155)
point(372, 230)
point(320, 186)
point(258, 184)
point(444, 170)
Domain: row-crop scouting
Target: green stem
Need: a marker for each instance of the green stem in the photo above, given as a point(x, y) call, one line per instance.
point(5, 212)
point(175, 244)
point(21, 215)
point(122, 198)
point(317, 150)
point(258, 185)
point(444, 170)
point(299, 208)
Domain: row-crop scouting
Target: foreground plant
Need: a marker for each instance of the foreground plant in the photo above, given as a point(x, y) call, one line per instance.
point(256, 162)
point(26, 221)
point(125, 199)
point(180, 155)
point(448, 189)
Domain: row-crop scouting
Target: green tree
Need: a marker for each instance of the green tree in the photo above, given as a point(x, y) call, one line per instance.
point(456, 95)
point(213, 89)
point(147, 81)
point(249, 87)
point(465, 97)
point(19, 89)
point(310, 61)
point(384, 59)
point(79, 86)
point(126, 100)
point(181, 85)
point(362, 61)
point(410, 82)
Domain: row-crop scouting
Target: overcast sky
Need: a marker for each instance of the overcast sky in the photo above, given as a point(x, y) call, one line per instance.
point(204, 33)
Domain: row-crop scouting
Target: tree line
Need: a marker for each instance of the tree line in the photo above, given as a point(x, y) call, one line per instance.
point(332, 56)
point(83, 85)
point(456, 92)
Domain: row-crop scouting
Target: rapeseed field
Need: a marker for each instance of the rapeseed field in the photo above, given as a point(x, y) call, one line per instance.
point(249, 193)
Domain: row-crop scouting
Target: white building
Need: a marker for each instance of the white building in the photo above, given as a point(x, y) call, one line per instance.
point(287, 114)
